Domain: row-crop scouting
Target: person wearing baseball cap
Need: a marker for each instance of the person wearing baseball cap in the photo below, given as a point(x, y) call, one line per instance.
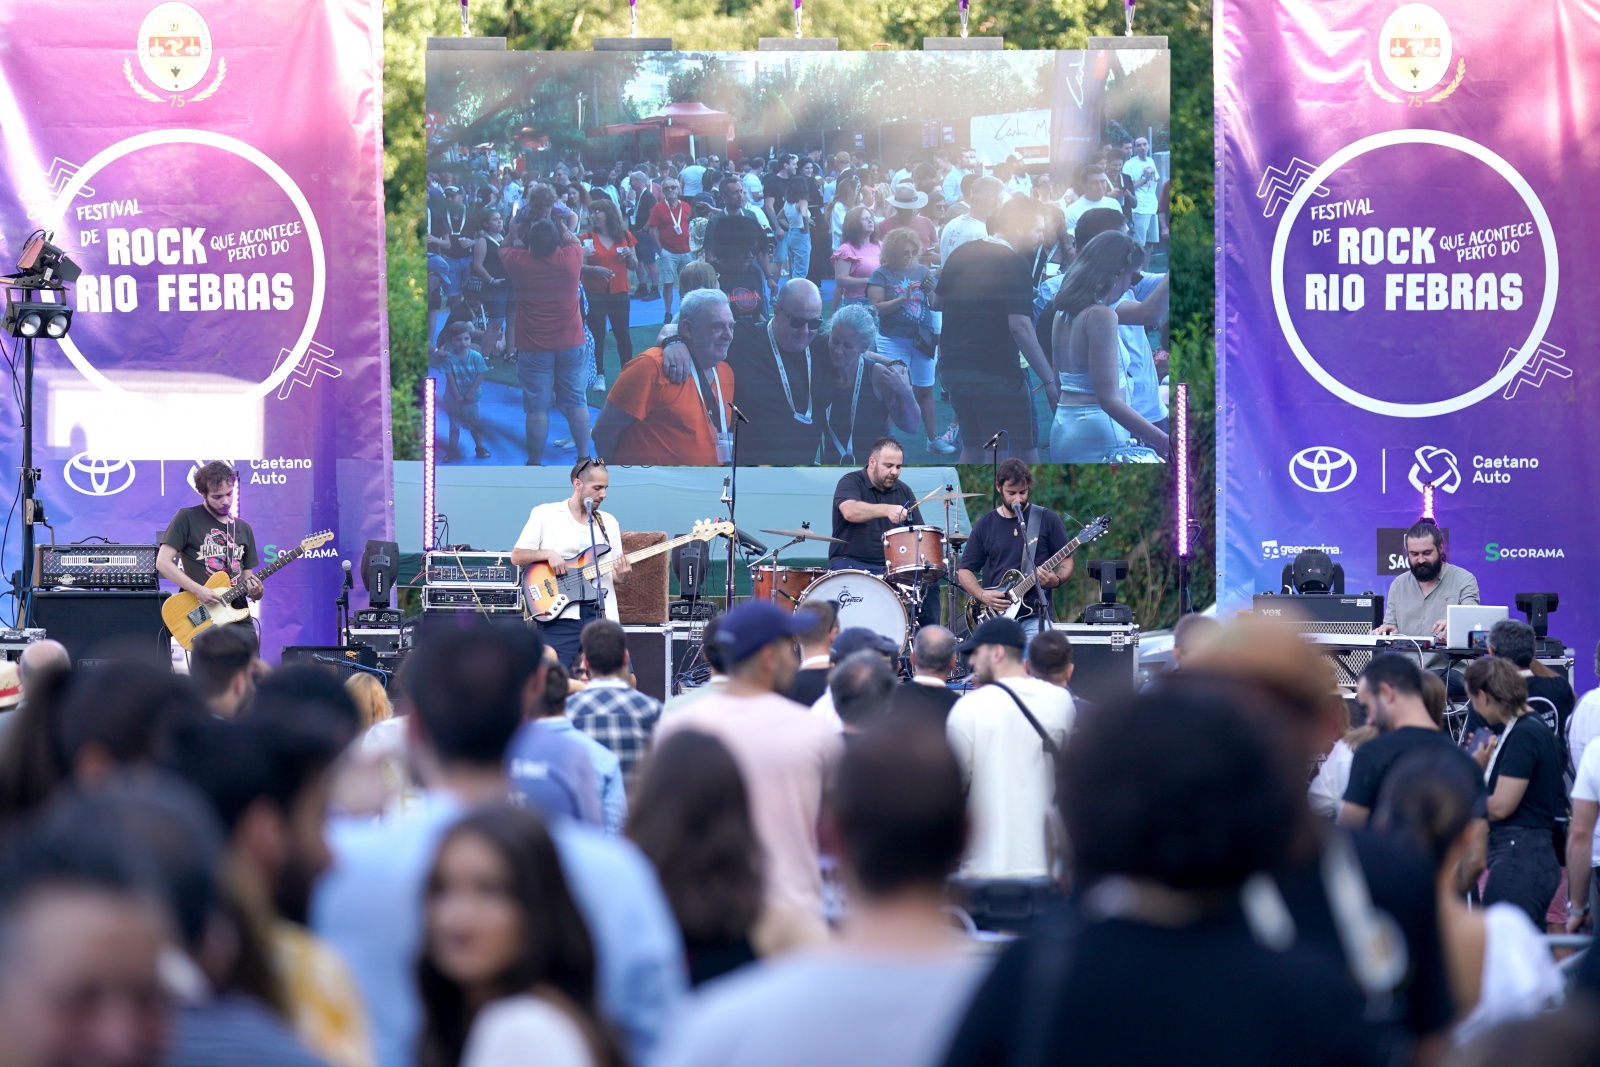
point(783, 751)
point(1006, 735)
point(853, 639)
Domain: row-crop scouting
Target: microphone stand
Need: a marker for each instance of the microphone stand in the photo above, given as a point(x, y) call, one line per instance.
point(334, 661)
point(342, 610)
point(731, 500)
point(594, 554)
point(994, 467)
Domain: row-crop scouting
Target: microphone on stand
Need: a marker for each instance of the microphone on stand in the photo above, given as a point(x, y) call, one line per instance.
point(737, 413)
point(588, 505)
point(348, 581)
point(993, 441)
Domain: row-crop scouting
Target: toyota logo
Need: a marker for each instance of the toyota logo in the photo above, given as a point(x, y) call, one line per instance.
point(1436, 467)
point(98, 477)
point(1322, 469)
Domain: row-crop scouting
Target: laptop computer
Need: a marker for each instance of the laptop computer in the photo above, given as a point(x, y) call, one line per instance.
point(1461, 619)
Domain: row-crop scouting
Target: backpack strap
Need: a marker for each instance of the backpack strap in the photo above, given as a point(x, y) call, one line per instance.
point(1051, 749)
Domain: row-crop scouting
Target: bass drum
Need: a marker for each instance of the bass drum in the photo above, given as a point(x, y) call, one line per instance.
point(864, 600)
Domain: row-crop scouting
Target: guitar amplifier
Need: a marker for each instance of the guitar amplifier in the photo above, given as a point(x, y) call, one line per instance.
point(470, 570)
point(94, 567)
point(490, 601)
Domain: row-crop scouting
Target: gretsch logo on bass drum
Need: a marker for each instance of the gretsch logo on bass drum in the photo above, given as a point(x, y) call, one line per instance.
point(846, 599)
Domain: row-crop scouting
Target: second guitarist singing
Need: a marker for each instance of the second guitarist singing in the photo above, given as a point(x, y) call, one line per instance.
point(560, 530)
point(999, 543)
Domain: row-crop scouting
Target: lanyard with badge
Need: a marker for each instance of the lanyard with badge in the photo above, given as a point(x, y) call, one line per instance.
point(676, 219)
point(783, 376)
point(848, 448)
point(723, 439)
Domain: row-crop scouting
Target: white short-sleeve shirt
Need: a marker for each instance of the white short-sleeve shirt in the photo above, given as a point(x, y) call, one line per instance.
point(551, 528)
point(1586, 786)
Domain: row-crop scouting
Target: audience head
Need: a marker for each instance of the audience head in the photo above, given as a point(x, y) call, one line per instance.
point(551, 702)
point(113, 715)
point(933, 652)
point(370, 698)
point(691, 817)
point(1096, 221)
point(605, 649)
point(1514, 640)
point(307, 695)
point(994, 649)
point(1388, 680)
point(1435, 696)
point(818, 640)
point(543, 238)
point(1192, 633)
point(1050, 657)
point(1499, 692)
point(1020, 222)
point(853, 639)
point(861, 685)
point(899, 808)
point(705, 322)
point(499, 921)
point(40, 658)
point(1182, 786)
point(756, 640)
point(697, 275)
point(983, 197)
point(1428, 798)
point(220, 663)
point(900, 248)
point(1104, 268)
point(468, 687)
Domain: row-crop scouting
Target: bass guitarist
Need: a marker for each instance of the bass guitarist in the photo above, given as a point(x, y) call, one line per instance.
point(560, 530)
point(999, 543)
point(203, 540)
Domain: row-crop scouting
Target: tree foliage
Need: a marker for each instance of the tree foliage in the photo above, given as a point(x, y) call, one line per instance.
point(1138, 498)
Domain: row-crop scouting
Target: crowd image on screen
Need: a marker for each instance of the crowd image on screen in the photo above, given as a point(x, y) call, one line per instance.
point(1005, 335)
point(490, 862)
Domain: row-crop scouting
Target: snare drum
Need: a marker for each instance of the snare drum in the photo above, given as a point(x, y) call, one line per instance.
point(864, 600)
point(914, 554)
point(782, 585)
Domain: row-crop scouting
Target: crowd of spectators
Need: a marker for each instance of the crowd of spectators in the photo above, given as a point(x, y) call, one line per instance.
point(543, 255)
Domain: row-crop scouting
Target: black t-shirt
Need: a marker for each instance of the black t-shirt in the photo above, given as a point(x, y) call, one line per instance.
point(775, 188)
point(641, 211)
point(864, 540)
point(733, 240)
point(1528, 750)
point(980, 284)
point(1557, 691)
point(1147, 996)
point(449, 222)
point(997, 542)
point(207, 544)
point(809, 685)
point(774, 435)
point(847, 440)
point(932, 703)
point(1373, 761)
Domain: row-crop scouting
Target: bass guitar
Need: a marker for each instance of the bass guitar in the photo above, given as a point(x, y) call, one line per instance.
point(546, 595)
point(186, 616)
point(1015, 585)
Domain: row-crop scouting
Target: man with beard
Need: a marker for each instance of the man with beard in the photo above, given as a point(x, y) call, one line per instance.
point(1419, 598)
point(737, 245)
point(986, 293)
point(867, 504)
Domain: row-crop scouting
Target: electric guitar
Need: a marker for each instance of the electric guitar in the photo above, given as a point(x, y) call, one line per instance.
point(1016, 585)
point(185, 616)
point(545, 595)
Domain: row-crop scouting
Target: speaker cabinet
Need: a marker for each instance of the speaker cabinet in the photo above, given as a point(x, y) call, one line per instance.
point(103, 625)
point(648, 648)
point(642, 599)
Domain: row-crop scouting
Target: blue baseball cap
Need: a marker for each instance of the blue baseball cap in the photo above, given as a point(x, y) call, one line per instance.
point(754, 625)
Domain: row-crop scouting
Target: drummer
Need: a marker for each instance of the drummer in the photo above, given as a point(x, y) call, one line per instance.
point(867, 504)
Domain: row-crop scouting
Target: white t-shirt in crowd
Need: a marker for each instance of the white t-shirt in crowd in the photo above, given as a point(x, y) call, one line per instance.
point(1584, 725)
point(552, 528)
point(958, 231)
point(1327, 788)
point(506, 1033)
point(1010, 782)
point(1078, 207)
point(1520, 978)
point(692, 178)
point(827, 1007)
point(1586, 786)
point(1146, 197)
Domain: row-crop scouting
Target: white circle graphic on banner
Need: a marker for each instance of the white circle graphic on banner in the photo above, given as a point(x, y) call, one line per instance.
point(1525, 351)
point(249, 153)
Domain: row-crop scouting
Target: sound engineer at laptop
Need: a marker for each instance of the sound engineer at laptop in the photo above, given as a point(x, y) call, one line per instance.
point(1419, 599)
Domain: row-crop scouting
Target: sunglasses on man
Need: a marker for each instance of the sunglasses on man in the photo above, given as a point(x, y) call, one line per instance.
point(803, 323)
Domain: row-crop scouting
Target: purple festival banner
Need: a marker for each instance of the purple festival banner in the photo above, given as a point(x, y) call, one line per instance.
point(1406, 234)
point(215, 169)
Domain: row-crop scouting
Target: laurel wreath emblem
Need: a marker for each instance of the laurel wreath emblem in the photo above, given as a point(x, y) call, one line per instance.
point(1372, 82)
point(138, 86)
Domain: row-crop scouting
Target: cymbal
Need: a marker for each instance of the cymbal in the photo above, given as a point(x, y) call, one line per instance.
point(942, 497)
point(805, 535)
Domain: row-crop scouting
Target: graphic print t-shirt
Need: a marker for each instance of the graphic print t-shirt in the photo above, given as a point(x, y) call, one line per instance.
point(207, 544)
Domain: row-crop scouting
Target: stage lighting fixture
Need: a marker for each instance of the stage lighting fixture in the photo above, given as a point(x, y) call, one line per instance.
point(1108, 572)
point(1313, 571)
point(1179, 455)
point(44, 266)
point(36, 319)
point(1538, 606)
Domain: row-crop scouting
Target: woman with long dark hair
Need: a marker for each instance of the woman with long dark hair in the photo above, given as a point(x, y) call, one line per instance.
point(507, 974)
point(1094, 422)
point(1522, 771)
point(691, 817)
point(486, 281)
point(608, 243)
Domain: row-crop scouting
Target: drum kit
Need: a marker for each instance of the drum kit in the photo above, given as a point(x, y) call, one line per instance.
point(915, 559)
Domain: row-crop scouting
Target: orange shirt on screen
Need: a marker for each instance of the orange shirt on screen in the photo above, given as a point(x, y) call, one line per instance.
point(611, 259)
point(673, 426)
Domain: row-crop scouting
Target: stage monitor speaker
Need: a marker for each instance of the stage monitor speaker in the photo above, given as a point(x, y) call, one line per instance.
point(642, 599)
point(380, 561)
point(105, 625)
point(365, 655)
point(648, 651)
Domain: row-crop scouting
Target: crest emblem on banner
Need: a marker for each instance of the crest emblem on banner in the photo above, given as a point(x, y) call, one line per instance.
point(174, 50)
point(1414, 52)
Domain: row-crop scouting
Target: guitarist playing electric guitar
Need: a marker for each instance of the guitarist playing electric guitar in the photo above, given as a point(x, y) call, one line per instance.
point(203, 540)
point(559, 530)
point(997, 545)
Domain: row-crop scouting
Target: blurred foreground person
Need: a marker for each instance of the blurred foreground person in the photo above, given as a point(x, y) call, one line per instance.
point(508, 968)
point(889, 991)
point(1171, 804)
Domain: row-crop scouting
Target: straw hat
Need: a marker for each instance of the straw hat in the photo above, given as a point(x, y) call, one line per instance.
point(906, 197)
point(10, 684)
